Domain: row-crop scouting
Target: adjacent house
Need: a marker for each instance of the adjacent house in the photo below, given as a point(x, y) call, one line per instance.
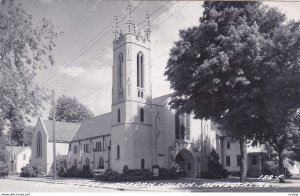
point(18, 157)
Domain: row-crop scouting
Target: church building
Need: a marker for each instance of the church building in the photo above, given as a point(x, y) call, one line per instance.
point(140, 131)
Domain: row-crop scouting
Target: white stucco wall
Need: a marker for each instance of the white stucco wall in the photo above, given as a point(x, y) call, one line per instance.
point(93, 156)
point(20, 161)
point(61, 149)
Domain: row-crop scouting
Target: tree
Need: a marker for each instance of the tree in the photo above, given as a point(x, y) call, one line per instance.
point(70, 110)
point(221, 70)
point(25, 48)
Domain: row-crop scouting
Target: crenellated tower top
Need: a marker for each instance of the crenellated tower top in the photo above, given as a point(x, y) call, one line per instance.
point(140, 34)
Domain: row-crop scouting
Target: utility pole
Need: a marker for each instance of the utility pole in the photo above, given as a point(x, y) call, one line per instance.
point(54, 143)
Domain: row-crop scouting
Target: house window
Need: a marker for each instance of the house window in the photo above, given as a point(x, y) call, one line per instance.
point(254, 160)
point(227, 160)
point(228, 145)
point(24, 156)
point(182, 126)
point(142, 114)
point(189, 166)
point(39, 145)
point(238, 160)
point(143, 164)
point(100, 146)
point(101, 163)
point(87, 162)
point(119, 115)
point(118, 151)
point(140, 69)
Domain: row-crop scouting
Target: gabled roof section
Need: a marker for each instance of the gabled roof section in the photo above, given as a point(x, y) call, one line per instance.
point(16, 149)
point(162, 100)
point(64, 131)
point(99, 125)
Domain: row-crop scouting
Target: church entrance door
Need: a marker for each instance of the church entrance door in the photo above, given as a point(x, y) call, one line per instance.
point(185, 163)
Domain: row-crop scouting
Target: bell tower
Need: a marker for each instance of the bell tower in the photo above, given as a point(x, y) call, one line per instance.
point(131, 96)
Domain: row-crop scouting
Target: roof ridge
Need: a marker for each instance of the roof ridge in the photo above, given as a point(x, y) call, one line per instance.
point(63, 121)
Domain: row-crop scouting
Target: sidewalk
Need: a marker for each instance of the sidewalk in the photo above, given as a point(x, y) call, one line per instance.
point(163, 185)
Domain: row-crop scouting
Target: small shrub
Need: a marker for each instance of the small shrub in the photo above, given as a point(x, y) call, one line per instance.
point(86, 172)
point(29, 171)
point(4, 170)
point(215, 169)
point(168, 173)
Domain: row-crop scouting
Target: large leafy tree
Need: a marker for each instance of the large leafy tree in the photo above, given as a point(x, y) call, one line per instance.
point(25, 47)
point(69, 109)
point(225, 70)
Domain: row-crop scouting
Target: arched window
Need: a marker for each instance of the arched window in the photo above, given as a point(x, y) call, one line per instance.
point(119, 115)
point(87, 162)
point(101, 163)
point(120, 70)
point(140, 69)
point(118, 151)
point(142, 114)
point(182, 126)
point(39, 145)
point(177, 125)
point(143, 164)
point(75, 163)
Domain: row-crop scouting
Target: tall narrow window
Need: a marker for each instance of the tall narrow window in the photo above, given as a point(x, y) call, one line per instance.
point(142, 114)
point(118, 151)
point(101, 163)
point(140, 69)
point(120, 71)
point(227, 160)
point(39, 145)
point(75, 163)
point(177, 125)
point(182, 126)
point(143, 164)
point(119, 115)
point(187, 126)
point(87, 162)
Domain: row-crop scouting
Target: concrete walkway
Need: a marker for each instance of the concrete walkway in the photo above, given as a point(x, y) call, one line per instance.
point(230, 184)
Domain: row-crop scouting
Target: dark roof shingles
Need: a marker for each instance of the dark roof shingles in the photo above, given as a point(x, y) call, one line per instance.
point(64, 131)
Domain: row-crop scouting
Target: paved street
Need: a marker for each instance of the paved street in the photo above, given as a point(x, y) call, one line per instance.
point(13, 185)
point(18, 184)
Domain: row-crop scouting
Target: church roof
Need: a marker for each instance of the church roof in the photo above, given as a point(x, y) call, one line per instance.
point(162, 100)
point(15, 149)
point(64, 131)
point(99, 125)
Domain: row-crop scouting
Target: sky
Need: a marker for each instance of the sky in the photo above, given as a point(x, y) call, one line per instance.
point(83, 53)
